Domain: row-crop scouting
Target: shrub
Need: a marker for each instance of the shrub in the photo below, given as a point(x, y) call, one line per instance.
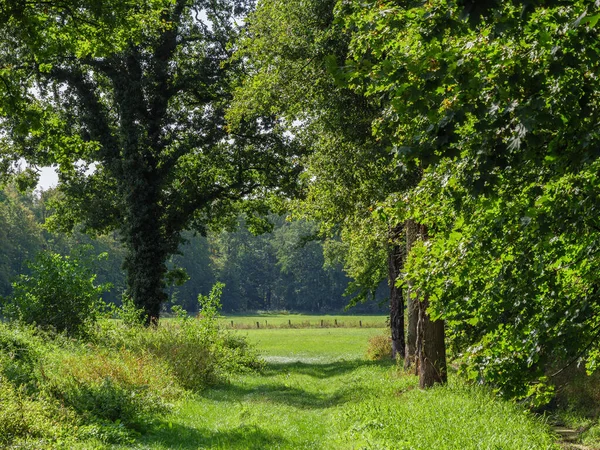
point(198, 351)
point(110, 386)
point(20, 350)
point(23, 418)
point(67, 389)
point(59, 293)
point(380, 347)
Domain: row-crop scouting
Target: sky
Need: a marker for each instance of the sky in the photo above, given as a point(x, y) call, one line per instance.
point(48, 178)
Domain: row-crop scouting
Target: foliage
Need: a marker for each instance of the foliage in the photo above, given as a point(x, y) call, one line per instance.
point(284, 269)
point(196, 263)
point(58, 392)
point(495, 102)
point(20, 236)
point(136, 124)
point(197, 351)
point(20, 350)
point(288, 262)
point(59, 293)
point(348, 171)
point(110, 386)
point(37, 421)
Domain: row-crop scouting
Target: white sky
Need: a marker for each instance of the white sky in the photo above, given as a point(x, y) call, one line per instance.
point(48, 178)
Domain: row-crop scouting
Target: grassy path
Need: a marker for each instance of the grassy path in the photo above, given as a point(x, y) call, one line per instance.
point(318, 393)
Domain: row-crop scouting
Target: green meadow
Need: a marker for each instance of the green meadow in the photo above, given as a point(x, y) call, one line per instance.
point(318, 391)
point(304, 321)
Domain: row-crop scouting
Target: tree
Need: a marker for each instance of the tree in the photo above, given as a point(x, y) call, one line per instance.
point(495, 101)
point(135, 119)
point(283, 269)
point(197, 268)
point(308, 282)
point(247, 266)
point(20, 236)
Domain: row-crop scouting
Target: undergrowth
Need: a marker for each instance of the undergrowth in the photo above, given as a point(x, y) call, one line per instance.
point(58, 391)
point(380, 347)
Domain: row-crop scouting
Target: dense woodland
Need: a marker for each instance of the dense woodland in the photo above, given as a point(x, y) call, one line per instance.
point(450, 148)
point(255, 269)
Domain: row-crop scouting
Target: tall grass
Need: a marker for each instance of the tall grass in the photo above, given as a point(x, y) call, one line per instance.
point(60, 392)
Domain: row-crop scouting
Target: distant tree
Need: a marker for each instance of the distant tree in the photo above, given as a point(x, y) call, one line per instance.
point(283, 269)
point(20, 236)
point(246, 265)
point(195, 261)
point(306, 281)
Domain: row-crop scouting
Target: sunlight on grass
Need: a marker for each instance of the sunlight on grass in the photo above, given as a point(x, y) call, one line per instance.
point(304, 321)
point(312, 344)
point(339, 400)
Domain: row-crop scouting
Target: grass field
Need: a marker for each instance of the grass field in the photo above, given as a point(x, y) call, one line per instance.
point(304, 321)
point(312, 344)
point(318, 392)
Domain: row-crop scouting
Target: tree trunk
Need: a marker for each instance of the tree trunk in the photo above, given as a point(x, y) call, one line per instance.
point(147, 247)
point(412, 302)
point(431, 347)
point(395, 259)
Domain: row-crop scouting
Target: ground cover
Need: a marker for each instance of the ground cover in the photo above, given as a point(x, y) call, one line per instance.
point(318, 392)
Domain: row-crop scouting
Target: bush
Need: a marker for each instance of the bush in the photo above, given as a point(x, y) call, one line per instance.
point(20, 351)
point(198, 351)
point(380, 347)
point(110, 386)
point(61, 388)
point(23, 418)
point(59, 293)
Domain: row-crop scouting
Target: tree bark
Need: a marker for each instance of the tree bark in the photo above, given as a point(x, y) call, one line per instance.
point(431, 346)
point(412, 302)
point(147, 246)
point(395, 260)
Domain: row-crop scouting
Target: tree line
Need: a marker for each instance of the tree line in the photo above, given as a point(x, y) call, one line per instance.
point(284, 269)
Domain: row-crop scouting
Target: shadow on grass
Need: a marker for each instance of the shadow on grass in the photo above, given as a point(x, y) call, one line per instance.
point(176, 436)
point(321, 370)
point(286, 390)
point(282, 394)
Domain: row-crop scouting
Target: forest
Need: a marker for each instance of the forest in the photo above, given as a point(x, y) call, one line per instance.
point(255, 269)
point(438, 159)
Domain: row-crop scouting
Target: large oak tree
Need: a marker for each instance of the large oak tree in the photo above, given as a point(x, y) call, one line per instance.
point(129, 99)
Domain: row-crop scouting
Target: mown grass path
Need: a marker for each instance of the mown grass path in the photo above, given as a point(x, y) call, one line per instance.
point(317, 392)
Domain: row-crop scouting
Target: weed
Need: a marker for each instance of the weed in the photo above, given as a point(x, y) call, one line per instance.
point(380, 347)
point(198, 352)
